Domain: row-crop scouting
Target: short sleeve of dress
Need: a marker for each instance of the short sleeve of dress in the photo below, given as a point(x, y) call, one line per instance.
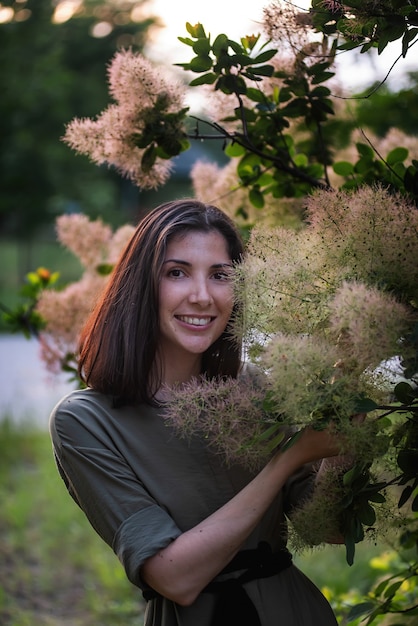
point(91, 462)
point(141, 536)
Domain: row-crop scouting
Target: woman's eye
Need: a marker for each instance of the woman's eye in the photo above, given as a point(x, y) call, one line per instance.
point(175, 273)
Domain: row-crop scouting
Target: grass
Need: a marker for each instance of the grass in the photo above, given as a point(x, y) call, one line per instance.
point(55, 571)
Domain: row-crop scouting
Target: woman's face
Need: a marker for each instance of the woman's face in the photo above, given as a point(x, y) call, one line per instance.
point(195, 295)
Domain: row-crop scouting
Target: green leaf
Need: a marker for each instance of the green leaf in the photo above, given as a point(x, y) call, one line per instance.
point(200, 64)
point(248, 166)
point(406, 39)
point(264, 56)
point(348, 45)
point(396, 155)
point(231, 84)
point(250, 41)
point(350, 550)
point(201, 47)
point(205, 79)
point(353, 473)
point(392, 589)
point(404, 392)
point(405, 495)
point(256, 198)
point(255, 95)
point(220, 44)
point(186, 40)
point(408, 461)
point(364, 150)
point(366, 514)
point(195, 31)
point(322, 77)
point(271, 430)
point(379, 589)
point(363, 165)
point(241, 59)
point(276, 441)
point(320, 92)
point(104, 269)
point(364, 608)
point(265, 179)
point(301, 160)
point(285, 94)
point(343, 168)
point(364, 405)
point(378, 498)
point(148, 158)
point(263, 70)
point(234, 149)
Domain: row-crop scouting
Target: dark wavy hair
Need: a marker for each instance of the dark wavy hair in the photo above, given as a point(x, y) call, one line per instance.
point(118, 344)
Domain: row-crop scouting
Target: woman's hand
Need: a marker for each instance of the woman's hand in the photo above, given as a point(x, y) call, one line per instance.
point(313, 445)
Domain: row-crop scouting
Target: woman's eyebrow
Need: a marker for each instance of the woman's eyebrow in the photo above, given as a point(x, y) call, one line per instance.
point(181, 262)
point(178, 261)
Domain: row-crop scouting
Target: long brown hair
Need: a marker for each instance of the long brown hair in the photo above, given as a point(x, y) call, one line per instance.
point(118, 344)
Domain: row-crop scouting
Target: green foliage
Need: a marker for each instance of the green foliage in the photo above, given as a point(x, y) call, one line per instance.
point(24, 317)
point(388, 109)
point(54, 569)
point(163, 134)
point(268, 104)
point(50, 73)
point(270, 162)
point(395, 593)
point(371, 169)
point(367, 24)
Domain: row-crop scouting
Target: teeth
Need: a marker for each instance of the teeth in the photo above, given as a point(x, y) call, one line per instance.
point(195, 321)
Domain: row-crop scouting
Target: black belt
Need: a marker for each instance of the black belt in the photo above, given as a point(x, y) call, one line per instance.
point(233, 605)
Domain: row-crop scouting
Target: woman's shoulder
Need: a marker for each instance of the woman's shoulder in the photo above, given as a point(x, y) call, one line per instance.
point(80, 399)
point(87, 414)
point(80, 411)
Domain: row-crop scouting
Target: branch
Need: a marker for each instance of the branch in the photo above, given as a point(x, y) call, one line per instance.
point(243, 141)
point(379, 155)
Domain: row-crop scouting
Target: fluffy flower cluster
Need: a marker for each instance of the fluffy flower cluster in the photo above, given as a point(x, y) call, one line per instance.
point(284, 23)
point(369, 236)
point(231, 414)
point(324, 307)
point(112, 137)
point(349, 278)
point(65, 311)
point(87, 240)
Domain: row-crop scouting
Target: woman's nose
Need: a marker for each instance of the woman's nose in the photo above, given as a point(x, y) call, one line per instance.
point(200, 293)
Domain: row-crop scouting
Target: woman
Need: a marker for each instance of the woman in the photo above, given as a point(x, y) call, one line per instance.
point(204, 541)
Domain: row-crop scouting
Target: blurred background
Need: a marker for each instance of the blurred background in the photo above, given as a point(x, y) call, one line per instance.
point(53, 60)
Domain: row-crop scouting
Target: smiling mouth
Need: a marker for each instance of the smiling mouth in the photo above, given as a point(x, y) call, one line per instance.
point(195, 321)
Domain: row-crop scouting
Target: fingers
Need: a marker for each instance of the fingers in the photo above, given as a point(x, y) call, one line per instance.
point(319, 444)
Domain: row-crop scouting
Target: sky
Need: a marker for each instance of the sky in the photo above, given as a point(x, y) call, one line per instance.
point(234, 17)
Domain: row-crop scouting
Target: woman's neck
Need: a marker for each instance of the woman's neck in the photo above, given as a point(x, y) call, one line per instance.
point(176, 371)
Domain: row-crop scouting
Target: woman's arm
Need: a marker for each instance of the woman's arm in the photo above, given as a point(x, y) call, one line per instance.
point(184, 568)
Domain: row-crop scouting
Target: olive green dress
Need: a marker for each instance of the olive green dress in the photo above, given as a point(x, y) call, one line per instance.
point(141, 486)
